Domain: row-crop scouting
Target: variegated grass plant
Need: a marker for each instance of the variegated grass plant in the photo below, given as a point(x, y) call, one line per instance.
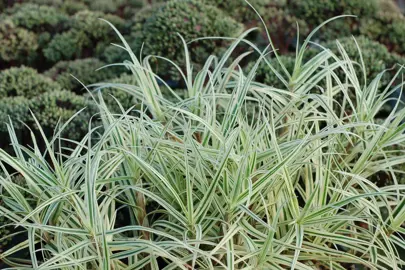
point(233, 174)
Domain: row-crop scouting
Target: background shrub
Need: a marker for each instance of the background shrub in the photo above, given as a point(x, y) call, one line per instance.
point(124, 8)
point(241, 11)
point(26, 82)
point(316, 12)
point(38, 18)
point(70, 30)
point(191, 19)
point(17, 45)
point(87, 36)
point(49, 108)
point(67, 6)
point(16, 109)
point(67, 45)
point(57, 107)
point(22, 89)
point(82, 69)
point(386, 27)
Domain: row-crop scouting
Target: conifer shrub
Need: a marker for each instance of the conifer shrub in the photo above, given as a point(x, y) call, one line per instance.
point(125, 8)
point(23, 90)
point(139, 18)
point(387, 27)
point(84, 70)
point(67, 6)
point(26, 82)
point(191, 19)
point(113, 55)
point(17, 45)
point(88, 36)
point(66, 45)
point(50, 109)
point(56, 107)
point(241, 11)
point(317, 11)
point(15, 109)
point(38, 18)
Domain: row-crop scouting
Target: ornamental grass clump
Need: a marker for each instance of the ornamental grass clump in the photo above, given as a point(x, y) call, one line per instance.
point(229, 174)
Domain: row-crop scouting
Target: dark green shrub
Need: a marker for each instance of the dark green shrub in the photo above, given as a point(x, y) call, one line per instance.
point(105, 5)
point(191, 19)
point(87, 36)
point(89, 22)
point(112, 54)
point(67, 45)
point(397, 59)
point(82, 69)
point(39, 18)
point(112, 6)
point(315, 12)
point(16, 109)
point(48, 108)
point(280, 20)
point(284, 38)
point(139, 18)
point(68, 6)
point(389, 6)
point(51, 107)
point(17, 45)
point(26, 82)
point(241, 11)
point(387, 27)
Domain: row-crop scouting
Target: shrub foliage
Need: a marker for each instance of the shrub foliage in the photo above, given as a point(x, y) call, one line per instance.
point(83, 70)
point(26, 82)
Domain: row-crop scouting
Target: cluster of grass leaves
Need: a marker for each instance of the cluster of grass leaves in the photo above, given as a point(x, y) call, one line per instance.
point(230, 174)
